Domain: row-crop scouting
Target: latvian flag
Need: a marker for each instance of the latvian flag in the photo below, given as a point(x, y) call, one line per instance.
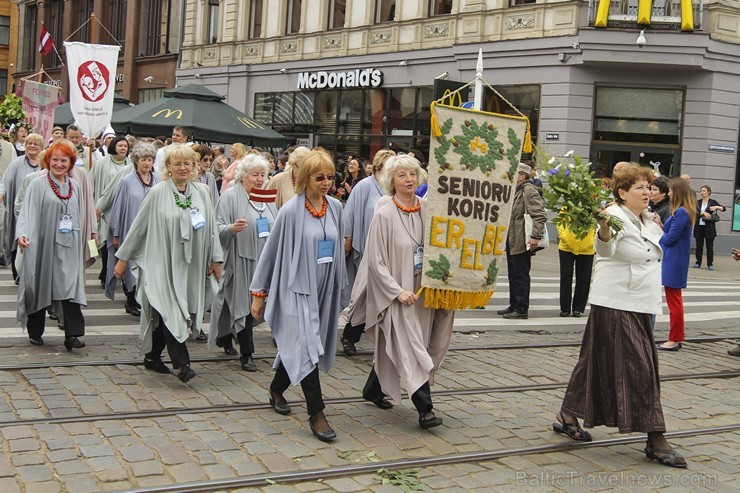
point(47, 43)
point(267, 196)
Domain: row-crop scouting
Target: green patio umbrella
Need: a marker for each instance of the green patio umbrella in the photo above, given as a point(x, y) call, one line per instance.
point(202, 111)
point(63, 112)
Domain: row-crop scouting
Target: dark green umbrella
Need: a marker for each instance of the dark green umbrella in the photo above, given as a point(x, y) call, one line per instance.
point(202, 111)
point(63, 113)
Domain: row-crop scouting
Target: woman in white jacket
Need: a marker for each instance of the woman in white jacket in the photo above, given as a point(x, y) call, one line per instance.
point(615, 382)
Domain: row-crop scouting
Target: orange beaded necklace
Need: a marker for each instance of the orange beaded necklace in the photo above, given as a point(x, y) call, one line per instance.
point(314, 213)
point(407, 210)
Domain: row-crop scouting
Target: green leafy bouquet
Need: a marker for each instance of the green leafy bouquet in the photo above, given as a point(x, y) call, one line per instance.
point(574, 192)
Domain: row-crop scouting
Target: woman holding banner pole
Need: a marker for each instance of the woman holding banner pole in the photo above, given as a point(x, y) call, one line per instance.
point(411, 340)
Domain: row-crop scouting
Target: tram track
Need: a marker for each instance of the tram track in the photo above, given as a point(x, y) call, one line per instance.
point(365, 352)
point(250, 406)
point(292, 477)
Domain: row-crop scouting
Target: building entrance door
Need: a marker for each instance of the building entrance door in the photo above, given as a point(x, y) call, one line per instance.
point(605, 156)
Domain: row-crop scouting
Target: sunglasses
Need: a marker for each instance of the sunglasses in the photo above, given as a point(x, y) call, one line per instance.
point(321, 178)
point(207, 159)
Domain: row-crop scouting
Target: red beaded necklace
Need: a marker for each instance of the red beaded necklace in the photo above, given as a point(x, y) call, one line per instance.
point(55, 188)
point(407, 210)
point(151, 179)
point(314, 213)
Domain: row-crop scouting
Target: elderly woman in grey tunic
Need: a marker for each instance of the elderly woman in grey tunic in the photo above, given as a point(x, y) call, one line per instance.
point(243, 226)
point(302, 270)
point(131, 193)
point(106, 175)
point(173, 242)
point(411, 340)
point(48, 232)
point(9, 185)
point(358, 212)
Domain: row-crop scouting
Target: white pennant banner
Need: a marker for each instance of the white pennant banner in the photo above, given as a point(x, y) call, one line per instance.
point(92, 78)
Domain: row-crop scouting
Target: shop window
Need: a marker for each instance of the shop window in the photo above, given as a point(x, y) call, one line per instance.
point(736, 205)
point(263, 108)
point(4, 30)
point(303, 109)
point(440, 7)
point(337, 10)
point(213, 13)
point(29, 38)
point(325, 111)
point(116, 14)
point(255, 19)
point(283, 108)
point(632, 114)
point(146, 95)
point(385, 11)
point(526, 98)
point(293, 19)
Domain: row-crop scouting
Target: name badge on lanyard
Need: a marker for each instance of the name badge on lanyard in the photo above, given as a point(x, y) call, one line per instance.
point(326, 251)
point(418, 258)
point(65, 223)
point(263, 229)
point(79, 162)
point(196, 217)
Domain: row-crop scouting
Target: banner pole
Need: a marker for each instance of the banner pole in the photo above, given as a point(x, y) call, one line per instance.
point(41, 74)
point(92, 28)
point(478, 94)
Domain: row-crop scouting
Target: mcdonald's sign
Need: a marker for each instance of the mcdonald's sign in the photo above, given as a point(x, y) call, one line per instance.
point(443, 90)
point(249, 123)
point(168, 113)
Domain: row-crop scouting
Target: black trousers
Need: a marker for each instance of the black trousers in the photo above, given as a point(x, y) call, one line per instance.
point(583, 265)
point(353, 333)
point(103, 249)
point(519, 280)
point(311, 386)
point(13, 255)
point(74, 322)
point(700, 232)
point(244, 337)
point(178, 351)
point(422, 398)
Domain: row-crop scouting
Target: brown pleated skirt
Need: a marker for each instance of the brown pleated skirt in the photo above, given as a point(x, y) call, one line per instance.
point(615, 382)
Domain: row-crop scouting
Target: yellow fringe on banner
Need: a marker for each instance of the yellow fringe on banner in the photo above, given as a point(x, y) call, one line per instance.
point(436, 131)
point(644, 11)
point(602, 13)
point(446, 299)
point(527, 146)
point(687, 15)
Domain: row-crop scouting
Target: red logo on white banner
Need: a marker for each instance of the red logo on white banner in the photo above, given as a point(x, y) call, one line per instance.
point(92, 78)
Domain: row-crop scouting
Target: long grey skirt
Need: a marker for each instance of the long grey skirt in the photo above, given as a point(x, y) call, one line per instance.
point(615, 382)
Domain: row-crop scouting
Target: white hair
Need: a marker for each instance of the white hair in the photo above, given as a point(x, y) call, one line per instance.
point(403, 161)
point(249, 163)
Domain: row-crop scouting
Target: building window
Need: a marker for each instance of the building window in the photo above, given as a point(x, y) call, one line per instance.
point(255, 19)
point(337, 9)
point(84, 10)
point(385, 11)
point(158, 20)
point(117, 22)
point(213, 12)
point(293, 18)
point(3, 82)
point(55, 27)
point(30, 38)
point(440, 7)
point(146, 95)
point(4, 30)
point(521, 2)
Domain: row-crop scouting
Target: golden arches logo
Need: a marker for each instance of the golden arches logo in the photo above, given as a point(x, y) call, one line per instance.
point(168, 113)
point(249, 123)
point(448, 98)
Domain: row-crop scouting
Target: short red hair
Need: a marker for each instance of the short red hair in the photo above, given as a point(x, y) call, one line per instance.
point(63, 147)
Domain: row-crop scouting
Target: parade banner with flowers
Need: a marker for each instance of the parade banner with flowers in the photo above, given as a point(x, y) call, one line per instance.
point(473, 161)
point(92, 78)
point(39, 103)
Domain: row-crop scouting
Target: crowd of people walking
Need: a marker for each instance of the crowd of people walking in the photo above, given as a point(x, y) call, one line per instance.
point(184, 231)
